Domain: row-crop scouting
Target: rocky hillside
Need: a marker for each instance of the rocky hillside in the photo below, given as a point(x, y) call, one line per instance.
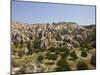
point(47, 35)
point(47, 44)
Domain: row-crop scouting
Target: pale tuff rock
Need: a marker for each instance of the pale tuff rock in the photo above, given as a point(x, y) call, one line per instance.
point(46, 33)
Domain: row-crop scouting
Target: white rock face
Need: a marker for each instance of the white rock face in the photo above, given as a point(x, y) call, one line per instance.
point(47, 33)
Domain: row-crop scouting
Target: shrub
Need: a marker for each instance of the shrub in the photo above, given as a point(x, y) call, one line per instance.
point(65, 54)
point(40, 58)
point(62, 49)
point(84, 44)
point(52, 49)
point(82, 66)
point(73, 55)
point(52, 56)
point(36, 44)
point(83, 54)
point(63, 65)
point(42, 49)
point(93, 60)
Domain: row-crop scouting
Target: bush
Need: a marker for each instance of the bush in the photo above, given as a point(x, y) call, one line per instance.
point(82, 66)
point(40, 58)
point(52, 49)
point(65, 54)
point(62, 49)
point(83, 54)
point(93, 60)
point(42, 49)
point(84, 44)
point(63, 65)
point(73, 55)
point(52, 56)
point(36, 44)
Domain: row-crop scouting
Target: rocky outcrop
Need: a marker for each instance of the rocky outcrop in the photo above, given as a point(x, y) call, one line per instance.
point(48, 34)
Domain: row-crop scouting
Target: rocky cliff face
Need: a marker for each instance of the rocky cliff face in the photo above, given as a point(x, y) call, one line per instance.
point(59, 34)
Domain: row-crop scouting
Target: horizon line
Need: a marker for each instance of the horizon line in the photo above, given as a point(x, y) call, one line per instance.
point(53, 22)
